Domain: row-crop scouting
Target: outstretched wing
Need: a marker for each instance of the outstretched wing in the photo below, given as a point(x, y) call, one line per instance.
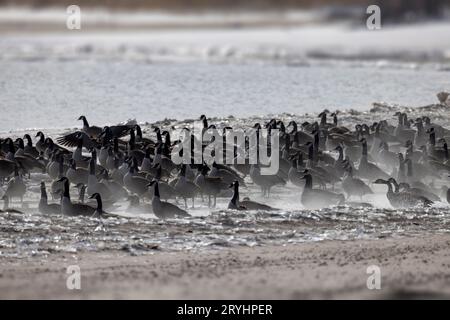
point(120, 130)
point(71, 140)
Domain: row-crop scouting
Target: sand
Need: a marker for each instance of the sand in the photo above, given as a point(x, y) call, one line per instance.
point(410, 268)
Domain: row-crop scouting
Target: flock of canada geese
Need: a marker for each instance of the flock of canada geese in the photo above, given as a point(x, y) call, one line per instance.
point(330, 163)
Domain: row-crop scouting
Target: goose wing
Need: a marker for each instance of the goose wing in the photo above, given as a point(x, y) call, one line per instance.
point(170, 210)
point(71, 140)
point(80, 209)
point(252, 205)
point(120, 130)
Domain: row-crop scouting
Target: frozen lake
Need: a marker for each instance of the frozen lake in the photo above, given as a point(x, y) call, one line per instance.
point(52, 94)
point(48, 80)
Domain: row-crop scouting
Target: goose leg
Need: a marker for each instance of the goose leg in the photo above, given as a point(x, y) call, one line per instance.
point(193, 202)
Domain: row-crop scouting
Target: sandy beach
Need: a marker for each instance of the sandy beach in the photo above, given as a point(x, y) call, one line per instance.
point(410, 268)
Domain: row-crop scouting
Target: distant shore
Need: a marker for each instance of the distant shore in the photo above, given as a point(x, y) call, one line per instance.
point(411, 267)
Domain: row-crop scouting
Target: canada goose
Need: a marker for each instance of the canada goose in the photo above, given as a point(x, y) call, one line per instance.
point(294, 175)
point(166, 191)
point(29, 149)
point(402, 199)
point(246, 203)
point(266, 182)
point(386, 157)
point(55, 167)
point(57, 186)
point(133, 182)
point(77, 175)
point(162, 209)
point(73, 209)
point(93, 185)
point(185, 188)
point(77, 154)
point(165, 162)
point(78, 139)
point(16, 188)
point(353, 186)
point(228, 175)
point(91, 131)
point(44, 207)
point(99, 209)
point(11, 149)
point(112, 132)
point(146, 162)
point(117, 190)
point(417, 191)
point(41, 146)
point(133, 150)
point(210, 186)
point(368, 170)
point(6, 168)
point(82, 191)
point(403, 132)
point(136, 206)
point(315, 198)
point(139, 137)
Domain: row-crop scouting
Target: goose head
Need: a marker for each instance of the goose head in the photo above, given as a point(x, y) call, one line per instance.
point(96, 196)
point(380, 181)
point(39, 134)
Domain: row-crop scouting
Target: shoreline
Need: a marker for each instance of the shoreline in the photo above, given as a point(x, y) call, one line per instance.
point(410, 267)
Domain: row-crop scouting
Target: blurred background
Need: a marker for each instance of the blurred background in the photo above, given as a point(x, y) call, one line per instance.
point(151, 60)
point(264, 12)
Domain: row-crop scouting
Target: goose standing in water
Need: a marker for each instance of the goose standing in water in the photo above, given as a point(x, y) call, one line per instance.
point(246, 204)
point(44, 207)
point(315, 198)
point(162, 209)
